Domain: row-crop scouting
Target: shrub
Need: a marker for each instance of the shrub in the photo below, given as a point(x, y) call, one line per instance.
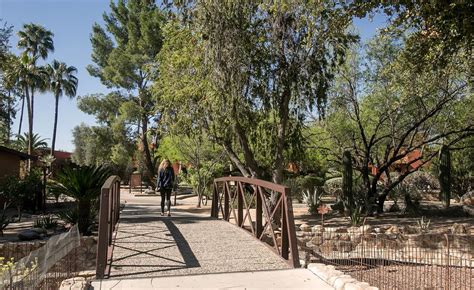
point(45, 222)
point(83, 184)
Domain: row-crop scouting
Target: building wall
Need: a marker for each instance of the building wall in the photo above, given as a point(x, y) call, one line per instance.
point(9, 164)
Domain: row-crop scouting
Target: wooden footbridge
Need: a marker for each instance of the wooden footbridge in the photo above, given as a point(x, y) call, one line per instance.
point(241, 234)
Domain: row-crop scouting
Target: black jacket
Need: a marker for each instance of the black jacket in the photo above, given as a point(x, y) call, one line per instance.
point(165, 178)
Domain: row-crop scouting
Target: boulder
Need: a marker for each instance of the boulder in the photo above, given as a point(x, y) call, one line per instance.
point(393, 230)
point(468, 198)
point(40, 230)
point(28, 235)
point(76, 283)
point(458, 229)
point(365, 229)
point(318, 229)
point(305, 228)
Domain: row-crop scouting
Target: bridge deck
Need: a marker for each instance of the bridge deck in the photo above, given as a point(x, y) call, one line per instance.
point(148, 245)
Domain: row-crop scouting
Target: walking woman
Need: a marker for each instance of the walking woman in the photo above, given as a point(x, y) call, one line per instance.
point(165, 184)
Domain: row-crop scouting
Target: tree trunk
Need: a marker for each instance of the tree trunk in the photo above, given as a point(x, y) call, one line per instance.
point(30, 125)
point(279, 165)
point(21, 116)
point(235, 159)
point(53, 142)
point(83, 222)
point(148, 159)
point(9, 109)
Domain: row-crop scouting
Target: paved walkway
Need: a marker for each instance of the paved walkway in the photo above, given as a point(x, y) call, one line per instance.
point(292, 278)
point(149, 248)
point(148, 244)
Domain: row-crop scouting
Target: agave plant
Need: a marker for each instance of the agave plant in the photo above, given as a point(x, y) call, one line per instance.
point(83, 184)
point(313, 199)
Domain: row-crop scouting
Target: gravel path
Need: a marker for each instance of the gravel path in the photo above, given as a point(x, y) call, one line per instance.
point(148, 245)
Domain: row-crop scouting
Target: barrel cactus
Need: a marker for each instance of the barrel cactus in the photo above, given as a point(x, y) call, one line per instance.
point(445, 175)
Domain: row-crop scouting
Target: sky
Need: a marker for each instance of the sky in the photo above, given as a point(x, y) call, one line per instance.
point(71, 22)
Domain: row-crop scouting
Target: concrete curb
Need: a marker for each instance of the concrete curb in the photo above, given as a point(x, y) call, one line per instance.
point(338, 279)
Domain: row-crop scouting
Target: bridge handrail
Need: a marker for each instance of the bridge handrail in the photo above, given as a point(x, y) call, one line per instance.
point(109, 213)
point(228, 190)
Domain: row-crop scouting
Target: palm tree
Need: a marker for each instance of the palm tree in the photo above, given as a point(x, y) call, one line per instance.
point(37, 142)
point(37, 42)
point(83, 184)
point(62, 80)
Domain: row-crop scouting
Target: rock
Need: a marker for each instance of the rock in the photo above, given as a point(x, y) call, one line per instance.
point(393, 230)
point(468, 198)
point(317, 240)
point(87, 273)
point(410, 230)
point(343, 246)
point(28, 235)
point(365, 229)
point(149, 191)
point(468, 209)
point(341, 230)
point(76, 283)
point(353, 230)
point(318, 229)
point(39, 230)
point(458, 229)
point(305, 228)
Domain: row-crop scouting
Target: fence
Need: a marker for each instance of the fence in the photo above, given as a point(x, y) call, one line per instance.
point(268, 222)
point(109, 213)
point(423, 261)
point(46, 267)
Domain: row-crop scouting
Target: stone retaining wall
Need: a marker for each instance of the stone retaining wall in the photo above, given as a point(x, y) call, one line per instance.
point(389, 243)
point(85, 255)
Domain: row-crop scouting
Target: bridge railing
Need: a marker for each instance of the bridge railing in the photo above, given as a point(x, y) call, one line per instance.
point(246, 203)
point(109, 213)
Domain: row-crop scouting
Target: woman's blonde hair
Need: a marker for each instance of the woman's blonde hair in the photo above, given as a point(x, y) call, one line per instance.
point(163, 164)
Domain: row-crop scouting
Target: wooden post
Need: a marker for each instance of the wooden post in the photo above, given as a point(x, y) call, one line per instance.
point(226, 202)
point(259, 212)
point(240, 204)
point(102, 242)
point(284, 229)
point(290, 221)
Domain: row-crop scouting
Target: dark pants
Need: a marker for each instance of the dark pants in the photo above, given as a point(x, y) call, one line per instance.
point(165, 193)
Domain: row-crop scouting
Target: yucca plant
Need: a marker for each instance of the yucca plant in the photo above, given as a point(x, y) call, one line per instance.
point(83, 184)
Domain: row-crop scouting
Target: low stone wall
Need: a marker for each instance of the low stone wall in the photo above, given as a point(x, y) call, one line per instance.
point(85, 255)
point(403, 244)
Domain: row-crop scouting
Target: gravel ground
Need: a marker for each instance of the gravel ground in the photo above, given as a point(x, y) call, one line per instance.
point(148, 245)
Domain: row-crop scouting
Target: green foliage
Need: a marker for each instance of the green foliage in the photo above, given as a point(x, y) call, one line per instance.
point(356, 216)
point(445, 175)
point(124, 52)
point(19, 192)
point(37, 143)
point(300, 184)
point(245, 84)
point(45, 222)
point(313, 199)
point(71, 216)
point(423, 225)
point(83, 184)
